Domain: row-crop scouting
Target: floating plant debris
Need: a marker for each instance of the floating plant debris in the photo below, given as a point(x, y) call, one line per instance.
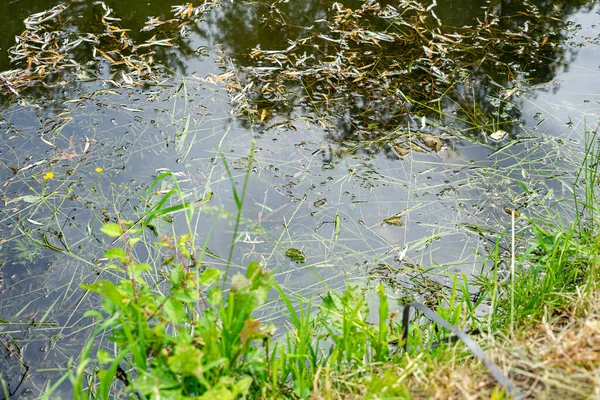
point(49, 53)
point(498, 136)
point(433, 142)
point(394, 220)
point(364, 72)
point(320, 203)
point(295, 255)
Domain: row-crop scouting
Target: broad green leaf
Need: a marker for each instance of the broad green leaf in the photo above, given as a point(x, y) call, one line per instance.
point(177, 274)
point(108, 306)
point(186, 360)
point(106, 289)
point(104, 357)
point(116, 253)
point(214, 296)
point(142, 267)
point(175, 310)
point(115, 267)
point(29, 199)
point(184, 297)
point(239, 283)
point(93, 314)
point(210, 276)
point(112, 230)
point(221, 393)
point(250, 330)
point(137, 270)
point(242, 386)
point(160, 381)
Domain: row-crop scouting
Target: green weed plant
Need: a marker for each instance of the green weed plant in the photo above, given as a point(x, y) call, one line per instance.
point(186, 339)
point(189, 341)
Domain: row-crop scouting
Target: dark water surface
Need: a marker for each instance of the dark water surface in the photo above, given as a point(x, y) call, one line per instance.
point(105, 143)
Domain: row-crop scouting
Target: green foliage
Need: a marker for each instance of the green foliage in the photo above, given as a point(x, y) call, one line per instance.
point(190, 338)
point(112, 230)
point(385, 385)
point(344, 318)
point(186, 338)
point(175, 347)
point(299, 355)
point(559, 261)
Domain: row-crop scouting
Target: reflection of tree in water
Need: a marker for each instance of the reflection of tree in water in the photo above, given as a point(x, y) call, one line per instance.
point(365, 67)
point(82, 17)
point(67, 46)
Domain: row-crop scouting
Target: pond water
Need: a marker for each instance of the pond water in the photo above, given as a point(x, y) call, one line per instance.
point(411, 210)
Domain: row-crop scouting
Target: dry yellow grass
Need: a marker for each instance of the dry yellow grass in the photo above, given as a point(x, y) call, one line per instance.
point(558, 358)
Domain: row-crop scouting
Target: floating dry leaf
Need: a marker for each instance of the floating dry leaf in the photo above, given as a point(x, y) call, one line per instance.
point(433, 142)
point(394, 220)
point(498, 135)
point(43, 53)
point(320, 203)
point(417, 148)
point(400, 151)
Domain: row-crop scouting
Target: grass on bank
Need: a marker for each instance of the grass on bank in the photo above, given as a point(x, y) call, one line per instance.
point(195, 335)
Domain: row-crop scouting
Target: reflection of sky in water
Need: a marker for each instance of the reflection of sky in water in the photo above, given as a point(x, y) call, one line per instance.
point(134, 135)
point(569, 104)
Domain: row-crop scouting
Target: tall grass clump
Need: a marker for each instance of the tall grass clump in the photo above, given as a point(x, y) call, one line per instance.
point(561, 260)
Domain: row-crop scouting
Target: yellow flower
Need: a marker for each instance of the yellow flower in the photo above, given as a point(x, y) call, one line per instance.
point(98, 170)
point(49, 175)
